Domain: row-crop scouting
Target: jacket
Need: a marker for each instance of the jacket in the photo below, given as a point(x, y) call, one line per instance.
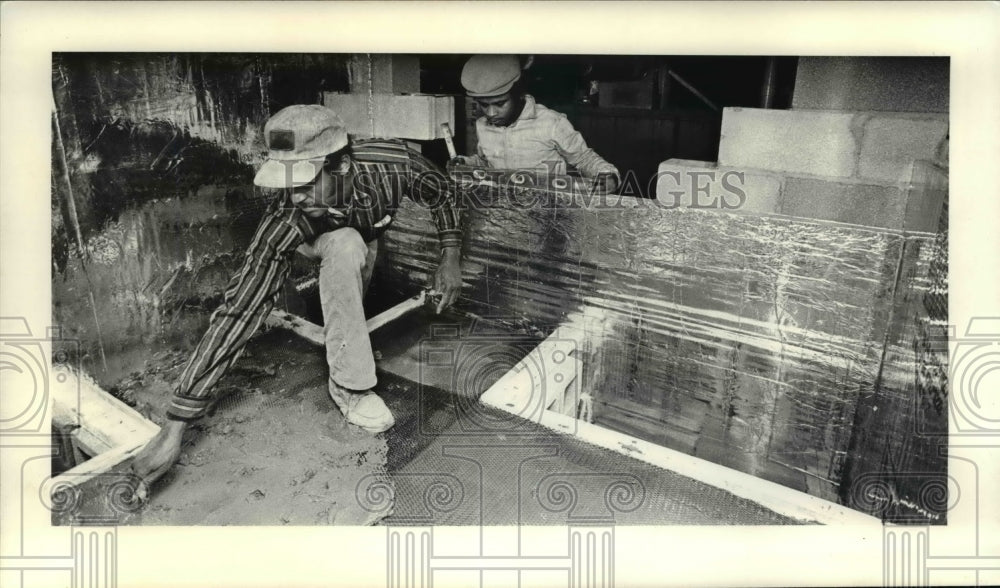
point(540, 137)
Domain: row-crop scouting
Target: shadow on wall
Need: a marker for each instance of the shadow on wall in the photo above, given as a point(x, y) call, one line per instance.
point(152, 200)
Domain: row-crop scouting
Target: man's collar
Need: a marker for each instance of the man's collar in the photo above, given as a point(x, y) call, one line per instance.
point(529, 111)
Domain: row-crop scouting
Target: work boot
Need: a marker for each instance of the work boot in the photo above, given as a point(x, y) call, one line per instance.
point(364, 409)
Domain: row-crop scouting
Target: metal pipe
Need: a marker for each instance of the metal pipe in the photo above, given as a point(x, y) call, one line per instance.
point(68, 198)
point(693, 90)
point(768, 87)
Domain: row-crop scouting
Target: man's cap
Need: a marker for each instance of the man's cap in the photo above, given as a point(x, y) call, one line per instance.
point(490, 75)
point(298, 139)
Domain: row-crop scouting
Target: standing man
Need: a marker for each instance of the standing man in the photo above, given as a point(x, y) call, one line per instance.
point(518, 133)
point(336, 199)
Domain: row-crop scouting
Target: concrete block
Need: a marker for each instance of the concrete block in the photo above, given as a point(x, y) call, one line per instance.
point(814, 142)
point(406, 116)
point(353, 108)
point(723, 188)
point(891, 143)
point(857, 203)
point(384, 73)
point(762, 190)
point(413, 116)
point(925, 197)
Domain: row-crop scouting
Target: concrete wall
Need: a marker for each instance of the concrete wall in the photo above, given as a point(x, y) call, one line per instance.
point(842, 166)
point(868, 167)
point(896, 84)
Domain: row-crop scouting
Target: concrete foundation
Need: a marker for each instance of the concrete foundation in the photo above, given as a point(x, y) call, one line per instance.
point(411, 116)
point(850, 167)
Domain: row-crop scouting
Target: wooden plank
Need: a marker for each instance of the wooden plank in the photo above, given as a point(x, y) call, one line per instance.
point(308, 330)
point(314, 333)
point(542, 379)
point(517, 392)
point(108, 430)
point(386, 317)
point(104, 422)
point(778, 498)
point(98, 465)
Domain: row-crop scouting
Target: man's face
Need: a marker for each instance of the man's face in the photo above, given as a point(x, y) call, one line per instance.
point(328, 190)
point(500, 111)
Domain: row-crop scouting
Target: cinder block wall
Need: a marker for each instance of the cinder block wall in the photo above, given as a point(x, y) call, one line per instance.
point(872, 168)
point(842, 166)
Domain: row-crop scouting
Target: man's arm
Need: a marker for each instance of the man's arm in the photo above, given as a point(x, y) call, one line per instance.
point(477, 160)
point(570, 144)
point(249, 297)
point(433, 188)
point(158, 456)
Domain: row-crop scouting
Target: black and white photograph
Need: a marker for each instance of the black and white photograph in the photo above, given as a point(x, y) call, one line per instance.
point(502, 307)
point(741, 260)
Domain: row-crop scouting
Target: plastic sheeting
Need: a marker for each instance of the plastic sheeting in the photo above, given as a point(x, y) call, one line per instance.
point(744, 340)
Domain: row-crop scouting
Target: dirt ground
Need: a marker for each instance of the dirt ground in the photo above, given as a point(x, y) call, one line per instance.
point(235, 469)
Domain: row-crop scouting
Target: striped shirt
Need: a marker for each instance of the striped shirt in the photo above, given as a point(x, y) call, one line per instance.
point(384, 171)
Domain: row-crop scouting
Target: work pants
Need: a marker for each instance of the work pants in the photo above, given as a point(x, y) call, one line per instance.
point(345, 267)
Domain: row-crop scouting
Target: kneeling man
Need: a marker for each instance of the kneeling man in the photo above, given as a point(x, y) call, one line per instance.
point(336, 198)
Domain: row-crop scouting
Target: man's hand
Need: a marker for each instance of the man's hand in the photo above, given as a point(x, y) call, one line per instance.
point(466, 160)
point(606, 183)
point(158, 456)
point(448, 278)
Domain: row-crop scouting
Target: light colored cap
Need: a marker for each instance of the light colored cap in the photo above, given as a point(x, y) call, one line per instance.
point(298, 139)
point(490, 75)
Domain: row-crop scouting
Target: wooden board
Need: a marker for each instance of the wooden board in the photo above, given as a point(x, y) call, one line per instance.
point(104, 423)
point(110, 433)
point(314, 333)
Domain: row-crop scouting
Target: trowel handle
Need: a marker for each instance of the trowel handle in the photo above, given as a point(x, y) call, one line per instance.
point(405, 307)
point(446, 131)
